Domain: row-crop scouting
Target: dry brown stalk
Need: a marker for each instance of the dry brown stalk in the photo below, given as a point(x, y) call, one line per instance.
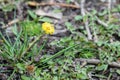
point(33, 3)
point(97, 61)
point(11, 23)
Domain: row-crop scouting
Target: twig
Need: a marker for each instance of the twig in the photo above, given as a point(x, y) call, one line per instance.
point(98, 20)
point(33, 3)
point(86, 23)
point(11, 23)
point(90, 75)
point(94, 33)
point(101, 22)
point(109, 4)
point(109, 10)
point(97, 61)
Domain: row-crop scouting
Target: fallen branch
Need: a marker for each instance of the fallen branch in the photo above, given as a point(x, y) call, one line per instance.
point(97, 61)
point(34, 4)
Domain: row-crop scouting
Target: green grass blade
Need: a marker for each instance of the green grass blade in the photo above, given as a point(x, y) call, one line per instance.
point(59, 53)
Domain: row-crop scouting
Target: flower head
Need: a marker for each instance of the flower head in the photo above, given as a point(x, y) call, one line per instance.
point(30, 68)
point(48, 28)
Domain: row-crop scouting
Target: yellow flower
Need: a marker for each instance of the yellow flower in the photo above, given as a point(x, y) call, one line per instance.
point(48, 28)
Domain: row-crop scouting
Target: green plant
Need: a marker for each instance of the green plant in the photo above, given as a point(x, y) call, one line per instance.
point(7, 6)
point(20, 51)
point(31, 28)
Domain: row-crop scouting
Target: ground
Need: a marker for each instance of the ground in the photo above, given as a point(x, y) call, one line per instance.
point(59, 40)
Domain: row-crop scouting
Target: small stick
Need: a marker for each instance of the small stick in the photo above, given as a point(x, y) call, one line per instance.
point(33, 3)
point(101, 22)
point(86, 23)
point(97, 61)
point(11, 23)
point(94, 33)
point(109, 9)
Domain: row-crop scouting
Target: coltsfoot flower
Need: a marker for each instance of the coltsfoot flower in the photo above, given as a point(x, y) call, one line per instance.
point(48, 28)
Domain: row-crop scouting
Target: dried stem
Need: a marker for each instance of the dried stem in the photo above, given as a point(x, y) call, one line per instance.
point(97, 61)
point(32, 3)
point(109, 9)
point(101, 22)
point(86, 23)
point(11, 23)
point(98, 20)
